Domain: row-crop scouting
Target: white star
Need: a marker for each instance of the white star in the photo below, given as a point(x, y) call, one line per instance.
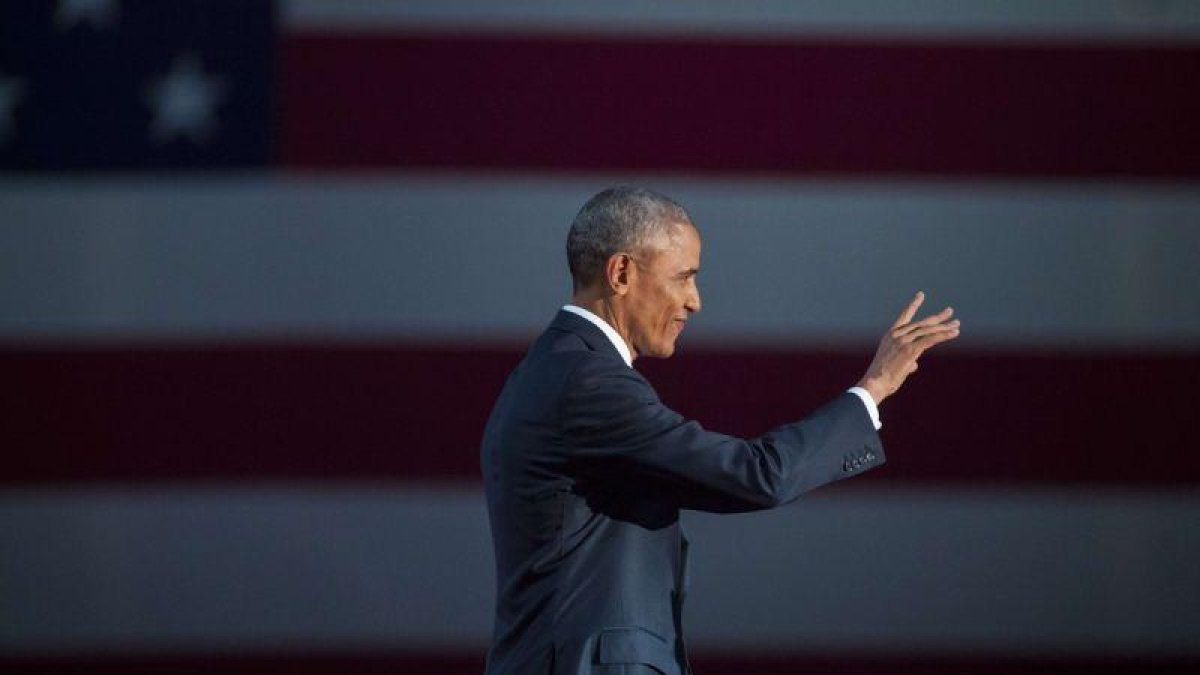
point(97, 13)
point(184, 102)
point(11, 93)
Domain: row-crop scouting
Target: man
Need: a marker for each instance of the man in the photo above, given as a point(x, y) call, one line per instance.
point(586, 470)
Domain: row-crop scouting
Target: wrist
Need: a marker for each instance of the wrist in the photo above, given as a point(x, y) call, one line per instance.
point(875, 388)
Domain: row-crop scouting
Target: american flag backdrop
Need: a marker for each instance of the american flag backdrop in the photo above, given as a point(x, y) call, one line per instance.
point(264, 267)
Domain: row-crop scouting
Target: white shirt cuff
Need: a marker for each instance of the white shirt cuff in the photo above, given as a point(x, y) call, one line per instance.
point(872, 408)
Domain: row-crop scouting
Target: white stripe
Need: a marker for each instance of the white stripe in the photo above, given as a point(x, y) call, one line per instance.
point(1141, 20)
point(475, 257)
point(1029, 571)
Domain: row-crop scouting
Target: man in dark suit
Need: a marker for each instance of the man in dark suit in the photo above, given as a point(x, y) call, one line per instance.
point(586, 469)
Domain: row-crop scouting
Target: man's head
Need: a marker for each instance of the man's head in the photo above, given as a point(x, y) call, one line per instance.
point(634, 255)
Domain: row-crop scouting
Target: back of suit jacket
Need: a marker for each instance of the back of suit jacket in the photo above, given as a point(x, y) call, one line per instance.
point(586, 471)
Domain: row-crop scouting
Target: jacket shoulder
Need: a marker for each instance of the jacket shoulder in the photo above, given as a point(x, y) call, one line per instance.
point(557, 348)
point(595, 371)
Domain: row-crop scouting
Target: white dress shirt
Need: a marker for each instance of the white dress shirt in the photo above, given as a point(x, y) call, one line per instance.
point(623, 349)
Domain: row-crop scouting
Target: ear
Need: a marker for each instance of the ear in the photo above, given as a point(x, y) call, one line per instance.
point(618, 272)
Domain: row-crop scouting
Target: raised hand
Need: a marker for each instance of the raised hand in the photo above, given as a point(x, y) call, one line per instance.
point(903, 344)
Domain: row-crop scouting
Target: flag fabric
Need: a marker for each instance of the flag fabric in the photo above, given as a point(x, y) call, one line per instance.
point(136, 85)
point(265, 267)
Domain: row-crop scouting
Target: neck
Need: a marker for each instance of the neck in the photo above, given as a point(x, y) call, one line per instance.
point(604, 307)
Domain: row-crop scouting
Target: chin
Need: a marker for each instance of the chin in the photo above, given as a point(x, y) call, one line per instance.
point(663, 352)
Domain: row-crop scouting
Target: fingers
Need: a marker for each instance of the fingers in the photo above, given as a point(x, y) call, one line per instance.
point(931, 320)
point(910, 311)
point(926, 341)
point(933, 324)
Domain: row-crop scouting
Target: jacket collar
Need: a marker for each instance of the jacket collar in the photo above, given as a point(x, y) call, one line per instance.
point(592, 335)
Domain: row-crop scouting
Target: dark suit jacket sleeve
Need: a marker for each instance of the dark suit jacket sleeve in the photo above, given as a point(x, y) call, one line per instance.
point(616, 427)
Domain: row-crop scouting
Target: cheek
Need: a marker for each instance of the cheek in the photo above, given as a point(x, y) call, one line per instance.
point(667, 319)
point(667, 309)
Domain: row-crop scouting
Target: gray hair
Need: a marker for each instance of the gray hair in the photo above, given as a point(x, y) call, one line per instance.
point(618, 219)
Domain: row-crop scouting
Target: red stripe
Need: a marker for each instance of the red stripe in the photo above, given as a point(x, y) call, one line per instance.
point(416, 413)
point(731, 663)
point(809, 106)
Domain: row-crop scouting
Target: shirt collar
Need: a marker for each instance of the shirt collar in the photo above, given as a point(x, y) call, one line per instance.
point(608, 331)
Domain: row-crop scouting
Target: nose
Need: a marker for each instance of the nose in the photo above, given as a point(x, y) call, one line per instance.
point(692, 304)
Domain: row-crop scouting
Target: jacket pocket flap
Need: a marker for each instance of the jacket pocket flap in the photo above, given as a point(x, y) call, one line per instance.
point(632, 644)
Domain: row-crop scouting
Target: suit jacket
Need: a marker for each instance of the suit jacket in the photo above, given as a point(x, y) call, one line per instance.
point(586, 471)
